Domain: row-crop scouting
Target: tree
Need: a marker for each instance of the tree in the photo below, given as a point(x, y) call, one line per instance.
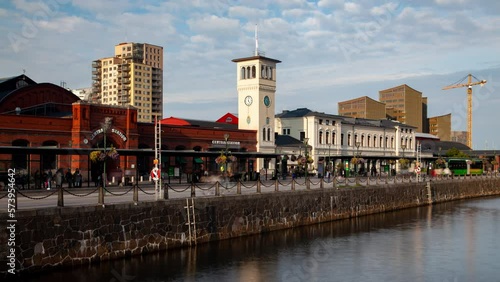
point(455, 153)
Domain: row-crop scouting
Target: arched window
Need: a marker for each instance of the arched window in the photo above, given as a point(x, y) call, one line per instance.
point(248, 72)
point(269, 134)
point(327, 138)
point(392, 142)
point(254, 71)
point(349, 139)
point(270, 73)
point(342, 139)
point(263, 72)
point(333, 138)
point(386, 142)
point(375, 141)
point(242, 73)
point(368, 139)
point(263, 134)
point(320, 138)
point(362, 140)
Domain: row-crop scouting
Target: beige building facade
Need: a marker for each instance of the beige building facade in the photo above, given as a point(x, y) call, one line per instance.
point(441, 127)
point(362, 107)
point(405, 103)
point(134, 76)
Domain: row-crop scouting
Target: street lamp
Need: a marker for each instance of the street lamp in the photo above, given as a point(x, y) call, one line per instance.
point(105, 126)
point(306, 156)
point(403, 147)
point(357, 155)
point(329, 167)
point(226, 137)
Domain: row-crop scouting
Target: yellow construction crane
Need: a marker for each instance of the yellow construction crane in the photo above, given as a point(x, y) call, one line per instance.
point(469, 85)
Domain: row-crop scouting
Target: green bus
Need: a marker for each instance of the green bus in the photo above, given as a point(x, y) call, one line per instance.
point(465, 166)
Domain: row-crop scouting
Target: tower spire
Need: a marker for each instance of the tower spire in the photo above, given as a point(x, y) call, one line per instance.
point(256, 41)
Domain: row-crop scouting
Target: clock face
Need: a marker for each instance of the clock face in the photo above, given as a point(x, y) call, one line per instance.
point(267, 101)
point(248, 100)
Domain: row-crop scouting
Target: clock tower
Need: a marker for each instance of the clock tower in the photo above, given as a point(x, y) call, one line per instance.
point(256, 84)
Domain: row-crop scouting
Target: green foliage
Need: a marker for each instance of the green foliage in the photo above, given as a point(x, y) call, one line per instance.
point(455, 153)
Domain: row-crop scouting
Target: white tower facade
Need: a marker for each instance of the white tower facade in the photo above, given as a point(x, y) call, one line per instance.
point(256, 84)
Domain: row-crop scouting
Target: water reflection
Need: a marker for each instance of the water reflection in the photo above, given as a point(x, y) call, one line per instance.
point(454, 241)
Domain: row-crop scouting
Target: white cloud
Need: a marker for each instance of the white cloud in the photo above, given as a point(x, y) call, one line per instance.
point(351, 48)
point(352, 7)
point(62, 25)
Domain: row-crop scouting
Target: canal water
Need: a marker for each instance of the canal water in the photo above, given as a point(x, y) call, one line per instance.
point(455, 241)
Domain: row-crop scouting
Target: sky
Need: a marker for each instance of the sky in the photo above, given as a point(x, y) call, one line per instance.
point(331, 50)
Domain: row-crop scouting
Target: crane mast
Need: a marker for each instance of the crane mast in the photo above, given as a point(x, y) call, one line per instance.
point(469, 85)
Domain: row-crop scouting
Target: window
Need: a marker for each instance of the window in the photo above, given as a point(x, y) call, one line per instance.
point(349, 139)
point(342, 139)
point(320, 121)
point(320, 137)
point(333, 138)
point(269, 134)
point(263, 134)
point(327, 138)
point(327, 122)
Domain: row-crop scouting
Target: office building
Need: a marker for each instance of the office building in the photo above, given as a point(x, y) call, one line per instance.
point(362, 107)
point(441, 127)
point(406, 105)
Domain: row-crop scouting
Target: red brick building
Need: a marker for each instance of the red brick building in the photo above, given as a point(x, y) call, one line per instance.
point(46, 115)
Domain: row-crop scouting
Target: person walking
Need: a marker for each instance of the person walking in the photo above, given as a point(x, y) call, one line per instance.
point(69, 178)
point(59, 178)
point(77, 178)
point(48, 179)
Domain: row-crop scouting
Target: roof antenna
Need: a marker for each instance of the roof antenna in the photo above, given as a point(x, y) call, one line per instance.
point(256, 41)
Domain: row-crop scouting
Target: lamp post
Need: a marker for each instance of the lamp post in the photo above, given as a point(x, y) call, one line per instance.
point(305, 166)
point(329, 167)
point(226, 137)
point(357, 155)
point(105, 126)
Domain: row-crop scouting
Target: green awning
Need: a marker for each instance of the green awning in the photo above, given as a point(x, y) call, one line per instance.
point(198, 160)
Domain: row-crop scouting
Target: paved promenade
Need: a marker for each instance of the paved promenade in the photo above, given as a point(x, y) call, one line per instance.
point(35, 199)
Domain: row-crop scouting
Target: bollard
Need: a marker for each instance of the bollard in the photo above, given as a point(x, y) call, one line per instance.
point(293, 185)
point(165, 191)
point(60, 198)
point(136, 194)
point(133, 180)
point(193, 192)
point(100, 199)
point(357, 180)
point(217, 189)
point(238, 188)
point(321, 183)
point(276, 186)
point(258, 186)
point(142, 178)
point(113, 180)
point(368, 181)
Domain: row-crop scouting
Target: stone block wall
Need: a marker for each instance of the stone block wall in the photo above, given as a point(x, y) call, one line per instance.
point(53, 237)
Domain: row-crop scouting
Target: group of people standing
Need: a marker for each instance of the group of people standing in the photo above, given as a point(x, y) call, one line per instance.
point(48, 180)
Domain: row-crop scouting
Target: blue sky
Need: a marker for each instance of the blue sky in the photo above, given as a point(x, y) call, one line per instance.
point(331, 50)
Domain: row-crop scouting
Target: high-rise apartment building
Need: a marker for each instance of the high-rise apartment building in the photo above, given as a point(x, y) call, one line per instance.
point(441, 127)
point(134, 76)
point(362, 107)
point(406, 105)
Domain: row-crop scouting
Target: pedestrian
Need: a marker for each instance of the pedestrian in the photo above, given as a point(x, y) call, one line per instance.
point(59, 178)
point(77, 178)
point(48, 179)
point(69, 178)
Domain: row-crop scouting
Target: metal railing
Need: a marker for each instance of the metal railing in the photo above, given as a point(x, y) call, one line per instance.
point(215, 189)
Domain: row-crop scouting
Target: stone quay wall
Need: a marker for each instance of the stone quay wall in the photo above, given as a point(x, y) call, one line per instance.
point(53, 237)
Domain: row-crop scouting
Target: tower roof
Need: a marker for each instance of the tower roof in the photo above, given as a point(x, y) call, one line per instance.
point(255, 58)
